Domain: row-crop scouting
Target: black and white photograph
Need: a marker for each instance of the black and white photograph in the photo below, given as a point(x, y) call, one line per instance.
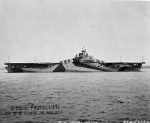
point(74, 61)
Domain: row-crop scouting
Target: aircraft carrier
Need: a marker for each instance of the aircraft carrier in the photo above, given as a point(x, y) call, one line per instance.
point(82, 62)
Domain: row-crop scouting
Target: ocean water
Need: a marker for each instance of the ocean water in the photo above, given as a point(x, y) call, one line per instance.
point(107, 97)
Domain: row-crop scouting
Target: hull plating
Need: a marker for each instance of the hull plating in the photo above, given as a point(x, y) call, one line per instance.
point(82, 62)
point(71, 67)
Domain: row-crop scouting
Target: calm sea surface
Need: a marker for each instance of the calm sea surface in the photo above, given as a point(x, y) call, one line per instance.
point(109, 97)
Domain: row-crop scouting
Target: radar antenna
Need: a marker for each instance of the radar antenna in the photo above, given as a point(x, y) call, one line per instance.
point(83, 49)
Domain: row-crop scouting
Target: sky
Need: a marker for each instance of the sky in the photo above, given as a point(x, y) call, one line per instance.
point(55, 30)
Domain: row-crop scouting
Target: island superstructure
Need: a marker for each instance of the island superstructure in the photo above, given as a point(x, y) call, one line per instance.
point(82, 62)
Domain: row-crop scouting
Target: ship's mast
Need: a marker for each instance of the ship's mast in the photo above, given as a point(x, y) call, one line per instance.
point(34, 59)
point(120, 58)
point(8, 59)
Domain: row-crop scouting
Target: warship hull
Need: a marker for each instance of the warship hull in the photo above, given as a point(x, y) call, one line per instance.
point(80, 63)
point(72, 67)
